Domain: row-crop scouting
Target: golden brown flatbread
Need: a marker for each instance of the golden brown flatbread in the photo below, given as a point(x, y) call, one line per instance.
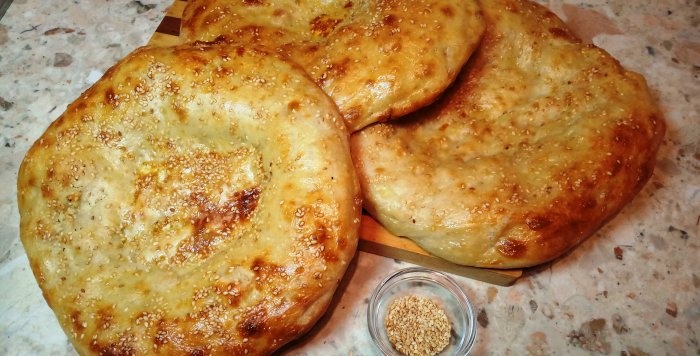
point(541, 141)
point(196, 200)
point(378, 59)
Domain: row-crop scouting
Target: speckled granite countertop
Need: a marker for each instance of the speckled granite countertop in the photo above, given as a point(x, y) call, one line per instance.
point(631, 289)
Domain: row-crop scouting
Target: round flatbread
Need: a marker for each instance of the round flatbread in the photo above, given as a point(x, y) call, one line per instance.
point(541, 141)
point(377, 59)
point(196, 200)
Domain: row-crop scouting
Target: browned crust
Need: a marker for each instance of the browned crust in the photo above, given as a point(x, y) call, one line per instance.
point(532, 175)
point(196, 200)
point(378, 59)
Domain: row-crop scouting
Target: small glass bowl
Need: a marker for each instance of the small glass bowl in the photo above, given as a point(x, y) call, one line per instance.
point(426, 283)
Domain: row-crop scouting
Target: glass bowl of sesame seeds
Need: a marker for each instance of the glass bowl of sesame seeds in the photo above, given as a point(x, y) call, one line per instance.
point(418, 311)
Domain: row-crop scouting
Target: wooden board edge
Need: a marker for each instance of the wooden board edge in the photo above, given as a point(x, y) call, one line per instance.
point(168, 31)
point(504, 278)
point(163, 40)
point(377, 240)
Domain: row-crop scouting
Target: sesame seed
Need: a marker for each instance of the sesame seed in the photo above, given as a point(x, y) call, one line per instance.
point(417, 326)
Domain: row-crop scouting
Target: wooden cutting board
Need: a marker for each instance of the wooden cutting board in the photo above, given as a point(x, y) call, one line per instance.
point(373, 237)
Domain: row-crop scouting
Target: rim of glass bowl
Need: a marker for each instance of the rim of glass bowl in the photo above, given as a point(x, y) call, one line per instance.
point(419, 274)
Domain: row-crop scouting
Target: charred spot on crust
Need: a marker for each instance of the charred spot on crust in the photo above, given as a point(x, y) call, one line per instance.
point(200, 244)
point(263, 269)
point(537, 222)
point(165, 333)
point(181, 114)
point(615, 166)
point(230, 291)
point(46, 192)
point(237, 209)
point(194, 60)
point(559, 32)
point(80, 106)
point(323, 25)
point(104, 319)
point(312, 48)
point(622, 140)
point(427, 70)
point(390, 20)
point(253, 322)
point(587, 203)
point(622, 136)
point(253, 2)
point(336, 69)
point(246, 201)
point(293, 105)
point(76, 321)
point(511, 248)
point(201, 9)
point(448, 11)
point(330, 255)
point(109, 137)
point(213, 219)
point(111, 97)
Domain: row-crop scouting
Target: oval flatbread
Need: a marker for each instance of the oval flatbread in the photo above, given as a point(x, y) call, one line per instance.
point(196, 200)
point(541, 141)
point(377, 59)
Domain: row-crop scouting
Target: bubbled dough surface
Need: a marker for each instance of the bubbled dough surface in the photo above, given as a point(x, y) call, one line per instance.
point(196, 198)
point(539, 143)
point(377, 59)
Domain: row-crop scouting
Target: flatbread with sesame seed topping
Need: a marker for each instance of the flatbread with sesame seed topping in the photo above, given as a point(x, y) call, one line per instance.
point(378, 59)
point(541, 140)
point(196, 200)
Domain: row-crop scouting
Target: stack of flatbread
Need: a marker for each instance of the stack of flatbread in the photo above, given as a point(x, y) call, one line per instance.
point(206, 198)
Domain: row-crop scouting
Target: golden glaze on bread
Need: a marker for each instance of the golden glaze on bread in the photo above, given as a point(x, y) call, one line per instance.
point(196, 200)
point(541, 141)
point(378, 59)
